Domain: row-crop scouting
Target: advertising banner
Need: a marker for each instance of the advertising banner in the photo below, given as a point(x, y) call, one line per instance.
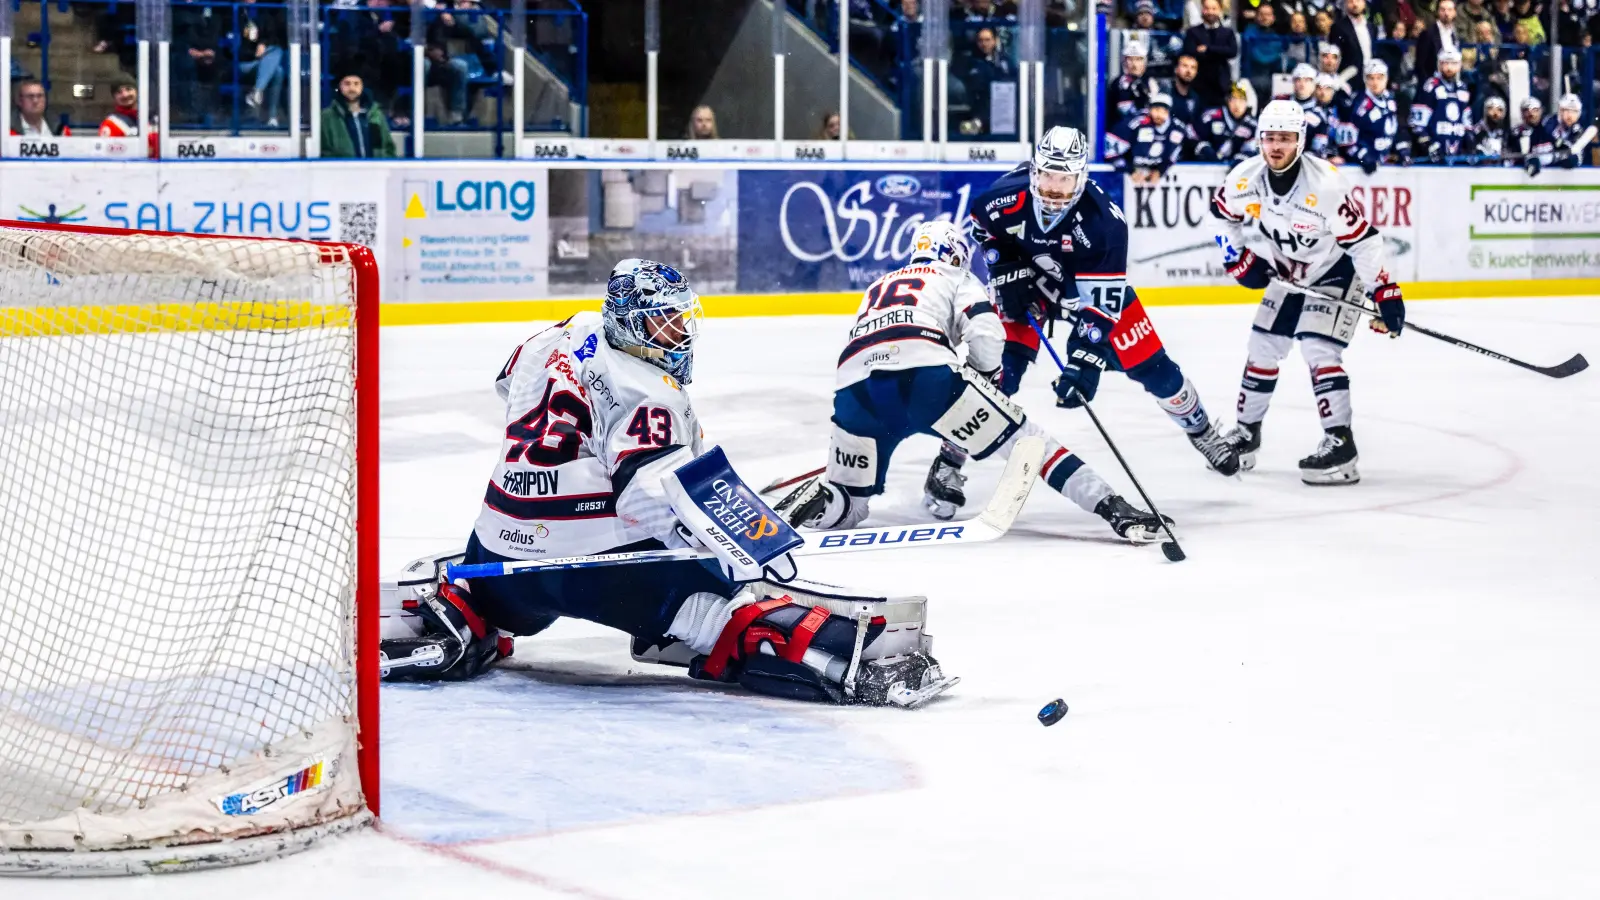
point(839, 230)
point(1171, 239)
point(686, 217)
point(473, 233)
point(1499, 224)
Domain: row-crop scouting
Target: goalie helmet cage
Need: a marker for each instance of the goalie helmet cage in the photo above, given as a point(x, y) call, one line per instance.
point(188, 473)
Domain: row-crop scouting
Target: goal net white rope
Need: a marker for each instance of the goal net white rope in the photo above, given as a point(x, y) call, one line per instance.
point(180, 425)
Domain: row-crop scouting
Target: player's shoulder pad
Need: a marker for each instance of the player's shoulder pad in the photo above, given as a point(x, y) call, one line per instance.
point(1324, 179)
point(1006, 198)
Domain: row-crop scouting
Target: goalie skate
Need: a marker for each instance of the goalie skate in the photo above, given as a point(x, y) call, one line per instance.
point(905, 681)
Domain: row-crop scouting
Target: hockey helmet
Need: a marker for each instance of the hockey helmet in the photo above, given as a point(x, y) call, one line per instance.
point(1135, 49)
point(1327, 48)
point(941, 241)
point(1324, 80)
point(1532, 104)
point(1449, 54)
point(1059, 170)
point(1304, 70)
point(1282, 116)
point(651, 312)
point(1494, 103)
point(1570, 101)
point(1379, 67)
point(1164, 100)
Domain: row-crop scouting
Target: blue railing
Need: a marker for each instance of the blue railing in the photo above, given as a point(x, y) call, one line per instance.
point(236, 78)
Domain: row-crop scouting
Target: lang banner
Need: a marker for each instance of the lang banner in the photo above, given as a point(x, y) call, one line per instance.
point(474, 234)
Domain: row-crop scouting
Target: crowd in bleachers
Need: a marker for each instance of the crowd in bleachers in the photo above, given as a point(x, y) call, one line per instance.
point(1411, 81)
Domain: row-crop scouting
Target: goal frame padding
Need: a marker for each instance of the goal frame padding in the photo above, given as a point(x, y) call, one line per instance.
point(367, 295)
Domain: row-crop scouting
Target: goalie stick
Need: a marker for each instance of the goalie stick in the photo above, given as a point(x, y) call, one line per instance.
point(1560, 370)
point(1022, 468)
point(782, 483)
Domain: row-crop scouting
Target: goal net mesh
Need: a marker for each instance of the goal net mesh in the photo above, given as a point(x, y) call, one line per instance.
point(178, 487)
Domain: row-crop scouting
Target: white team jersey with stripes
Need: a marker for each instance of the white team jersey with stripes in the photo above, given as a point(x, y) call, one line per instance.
point(917, 316)
point(1309, 229)
point(580, 416)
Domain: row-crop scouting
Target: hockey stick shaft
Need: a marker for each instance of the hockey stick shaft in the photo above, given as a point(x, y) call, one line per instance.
point(782, 483)
point(1561, 370)
point(1022, 467)
point(1102, 429)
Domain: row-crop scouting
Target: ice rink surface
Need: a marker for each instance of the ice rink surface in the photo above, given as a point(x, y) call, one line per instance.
point(1384, 690)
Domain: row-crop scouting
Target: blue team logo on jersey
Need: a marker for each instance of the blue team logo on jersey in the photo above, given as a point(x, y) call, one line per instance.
point(586, 351)
point(1090, 332)
point(991, 256)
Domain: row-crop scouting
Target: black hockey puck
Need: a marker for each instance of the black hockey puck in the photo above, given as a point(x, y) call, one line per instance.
point(1053, 712)
point(1173, 551)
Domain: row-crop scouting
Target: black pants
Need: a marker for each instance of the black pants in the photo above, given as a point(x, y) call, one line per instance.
point(640, 599)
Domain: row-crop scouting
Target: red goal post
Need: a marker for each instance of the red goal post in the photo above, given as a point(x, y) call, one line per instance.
point(189, 428)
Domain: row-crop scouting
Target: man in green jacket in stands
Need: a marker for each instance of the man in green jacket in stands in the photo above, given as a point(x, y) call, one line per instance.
point(353, 131)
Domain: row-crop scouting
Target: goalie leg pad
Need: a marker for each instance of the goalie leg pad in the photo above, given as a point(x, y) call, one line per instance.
point(980, 418)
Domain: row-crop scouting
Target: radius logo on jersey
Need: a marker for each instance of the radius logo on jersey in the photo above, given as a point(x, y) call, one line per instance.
point(840, 229)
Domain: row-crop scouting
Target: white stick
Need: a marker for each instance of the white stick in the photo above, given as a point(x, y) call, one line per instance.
point(1022, 469)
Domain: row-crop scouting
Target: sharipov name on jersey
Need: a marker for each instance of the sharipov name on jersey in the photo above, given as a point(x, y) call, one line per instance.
point(580, 418)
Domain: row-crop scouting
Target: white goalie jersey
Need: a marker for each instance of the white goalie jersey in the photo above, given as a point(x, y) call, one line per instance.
point(589, 432)
point(917, 316)
point(1311, 229)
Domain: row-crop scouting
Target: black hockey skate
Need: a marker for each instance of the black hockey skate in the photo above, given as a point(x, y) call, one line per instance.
point(1334, 462)
point(905, 681)
point(1219, 454)
point(805, 504)
point(1129, 521)
point(945, 490)
point(1245, 439)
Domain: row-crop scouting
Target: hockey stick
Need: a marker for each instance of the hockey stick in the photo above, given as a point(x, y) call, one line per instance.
point(782, 483)
point(1560, 370)
point(1022, 468)
point(1170, 546)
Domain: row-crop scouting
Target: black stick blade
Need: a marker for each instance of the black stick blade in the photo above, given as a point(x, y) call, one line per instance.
point(1571, 367)
point(1173, 551)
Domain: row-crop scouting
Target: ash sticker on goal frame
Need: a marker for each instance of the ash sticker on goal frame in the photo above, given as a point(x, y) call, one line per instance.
point(313, 776)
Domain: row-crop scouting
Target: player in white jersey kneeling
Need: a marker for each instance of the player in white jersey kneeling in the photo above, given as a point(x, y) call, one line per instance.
point(1326, 259)
point(899, 376)
point(602, 453)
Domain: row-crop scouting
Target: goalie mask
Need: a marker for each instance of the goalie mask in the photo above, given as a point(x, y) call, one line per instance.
point(940, 241)
point(651, 312)
point(1060, 170)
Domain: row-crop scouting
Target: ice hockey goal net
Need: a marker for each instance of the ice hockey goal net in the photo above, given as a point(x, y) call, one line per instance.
point(188, 538)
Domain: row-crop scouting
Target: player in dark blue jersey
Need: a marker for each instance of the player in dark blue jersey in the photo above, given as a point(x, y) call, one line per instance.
point(1441, 113)
point(1376, 123)
point(1055, 244)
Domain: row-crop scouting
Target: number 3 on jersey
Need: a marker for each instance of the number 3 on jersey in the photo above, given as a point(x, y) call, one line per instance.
point(651, 427)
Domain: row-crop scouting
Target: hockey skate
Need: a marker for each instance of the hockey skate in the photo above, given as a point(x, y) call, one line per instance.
point(1129, 521)
point(804, 506)
point(1219, 453)
point(906, 681)
point(945, 490)
point(1334, 462)
point(1245, 438)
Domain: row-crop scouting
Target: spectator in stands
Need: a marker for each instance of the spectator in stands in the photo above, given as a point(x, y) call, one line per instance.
point(1297, 50)
point(1144, 15)
point(1504, 19)
point(113, 31)
point(30, 120)
point(1247, 11)
point(1322, 24)
point(1440, 35)
point(367, 41)
point(1467, 18)
point(451, 73)
point(702, 124)
point(1130, 94)
point(263, 45)
point(1263, 49)
point(1186, 106)
point(985, 67)
point(987, 10)
point(1354, 34)
point(1214, 45)
point(124, 119)
point(828, 128)
point(1527, 12)
point(196, 39)
point(353, 126)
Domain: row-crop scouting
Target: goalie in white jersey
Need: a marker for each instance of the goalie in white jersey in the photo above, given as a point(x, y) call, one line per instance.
point(899, 375)
point(602, 453)
point(1326, 259)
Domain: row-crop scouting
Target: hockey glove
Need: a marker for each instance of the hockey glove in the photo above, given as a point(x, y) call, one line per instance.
point(1391, 309)
point(1533, 166)
point(1369, 163)
point(1011, 284)
point(1251, 270)
point(1080, 377)
point(1564, 158)
point(1435, 152)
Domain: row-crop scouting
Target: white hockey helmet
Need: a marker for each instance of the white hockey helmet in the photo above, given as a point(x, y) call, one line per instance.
point(1379, 67)
point(1135, 49)
point(1283, 116)
point(1328, 48)
point(1325, 80)
point(1304, 70)
point(1059, 170)
point(941, 241)
point(1449, 54)
point(1570, 101)
point(1494, 103)
point(1532, 103)
point(1161, 100)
